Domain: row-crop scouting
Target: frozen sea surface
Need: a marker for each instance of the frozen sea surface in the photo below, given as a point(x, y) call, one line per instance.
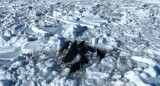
point(33, 31)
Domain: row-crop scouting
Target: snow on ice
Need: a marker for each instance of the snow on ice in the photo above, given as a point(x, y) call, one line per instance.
point(32, 33)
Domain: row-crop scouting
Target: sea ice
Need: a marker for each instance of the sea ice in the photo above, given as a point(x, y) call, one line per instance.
point(134, 77)
point(9, 49)
point(151, 71)
point(104, 42)
point(125, 52)
point(149, 61)
point(30, 26)
point(49, 66)
point(72, 31)
point(116, 75)
point(61, 81)
point(93, 72)
point(109, 61)
point(40, 45)
point(120, 82)
point(4, 83)
point(3, 41)
point(16, 64)
point(89, 81)
point(6, 75)
point(122, 64)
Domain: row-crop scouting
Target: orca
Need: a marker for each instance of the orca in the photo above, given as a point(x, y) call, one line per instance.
point(83, 50)
point(68, 57)
point(65, 47)
point(83, 59)
point(90, 49)
point(81, 44)
point(71, 53)
point(73, 48)
point(76, 66)
point(99, 54)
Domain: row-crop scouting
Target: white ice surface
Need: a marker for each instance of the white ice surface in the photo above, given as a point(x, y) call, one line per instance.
point(134, 77)
point(94, 73)
point(9, 49)
point(151, 71)
point(41, 26)
point(147, 60)
point(40, 45)
point(109, 62)
point(61, 81)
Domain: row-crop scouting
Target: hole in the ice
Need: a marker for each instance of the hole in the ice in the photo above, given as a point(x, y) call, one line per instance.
point(32, 39)
point(98, 5)
point(145, 5)
point(102, 16)
point(81, 11)
point(77, 19)
point(130, 20)
point(108, 34)
point(30, 8)
point(39, 14)
point(58, 3)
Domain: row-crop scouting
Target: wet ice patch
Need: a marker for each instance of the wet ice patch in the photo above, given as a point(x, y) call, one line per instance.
point(9, 49)
point(12, 47)
point(9, 53)
point(41, 44)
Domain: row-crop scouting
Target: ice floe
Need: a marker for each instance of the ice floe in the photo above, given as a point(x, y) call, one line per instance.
point(32, 32)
